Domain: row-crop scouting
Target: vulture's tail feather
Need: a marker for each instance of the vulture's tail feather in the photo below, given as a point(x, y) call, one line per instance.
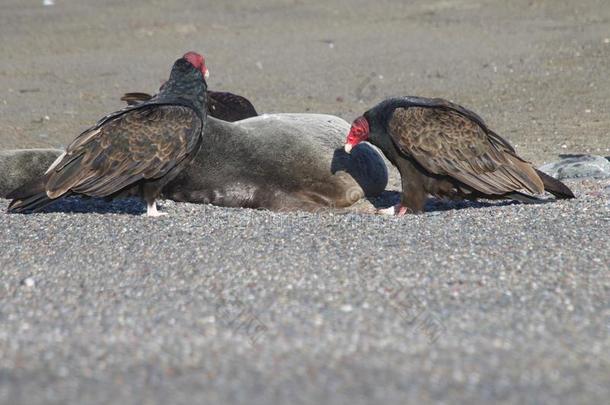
point(135, 98)
point(30, 197)
point(555, 187)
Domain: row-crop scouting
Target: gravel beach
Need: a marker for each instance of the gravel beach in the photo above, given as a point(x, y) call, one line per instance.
point(468, 303)
point(483, 304)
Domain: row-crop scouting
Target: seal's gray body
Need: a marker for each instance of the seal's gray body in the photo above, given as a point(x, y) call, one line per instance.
point(281, 162)
point(21, 166)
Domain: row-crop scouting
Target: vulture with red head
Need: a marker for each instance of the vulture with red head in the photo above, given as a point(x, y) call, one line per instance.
point(141, 147)
point(444, 150)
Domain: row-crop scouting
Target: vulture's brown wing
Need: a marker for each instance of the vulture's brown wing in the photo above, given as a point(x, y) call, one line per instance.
point(447, 142)
point(144, 143)
point(229, 107)
point(222, 105)
point(471, 115)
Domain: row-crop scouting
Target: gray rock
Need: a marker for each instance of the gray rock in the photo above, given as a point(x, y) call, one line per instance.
point(20, 166)
point(578, 166)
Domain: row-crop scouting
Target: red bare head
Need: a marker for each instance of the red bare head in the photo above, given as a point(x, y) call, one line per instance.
point(358, 132)
point(198, 62)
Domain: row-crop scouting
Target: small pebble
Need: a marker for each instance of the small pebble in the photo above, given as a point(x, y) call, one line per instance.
point(28, 282)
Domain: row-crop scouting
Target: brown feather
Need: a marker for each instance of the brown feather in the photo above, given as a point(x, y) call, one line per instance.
point(446, 142)
point(222, 105)
point(140, 144)
point(135, 98)
point(229, 107)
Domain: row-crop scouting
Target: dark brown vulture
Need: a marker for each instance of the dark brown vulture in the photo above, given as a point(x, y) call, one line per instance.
point(140, 147)
point(447, 151)
point(222, 105)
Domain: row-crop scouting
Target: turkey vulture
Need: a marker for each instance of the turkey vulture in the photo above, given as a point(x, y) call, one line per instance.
point(139, 147)
point(222, 105)
point(445, 150)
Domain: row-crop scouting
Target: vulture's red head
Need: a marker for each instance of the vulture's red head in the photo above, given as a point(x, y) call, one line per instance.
point(198, 62)
point(358, 132)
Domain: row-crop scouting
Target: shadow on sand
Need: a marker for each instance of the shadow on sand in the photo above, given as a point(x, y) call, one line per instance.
point(86, 205)
point(390, 198)
point(136, 207)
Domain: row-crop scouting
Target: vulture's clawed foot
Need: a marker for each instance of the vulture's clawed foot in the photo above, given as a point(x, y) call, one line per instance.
point(151, 211)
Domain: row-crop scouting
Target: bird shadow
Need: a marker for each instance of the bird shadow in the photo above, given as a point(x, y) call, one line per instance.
point(87, 205)
point(391, 198)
